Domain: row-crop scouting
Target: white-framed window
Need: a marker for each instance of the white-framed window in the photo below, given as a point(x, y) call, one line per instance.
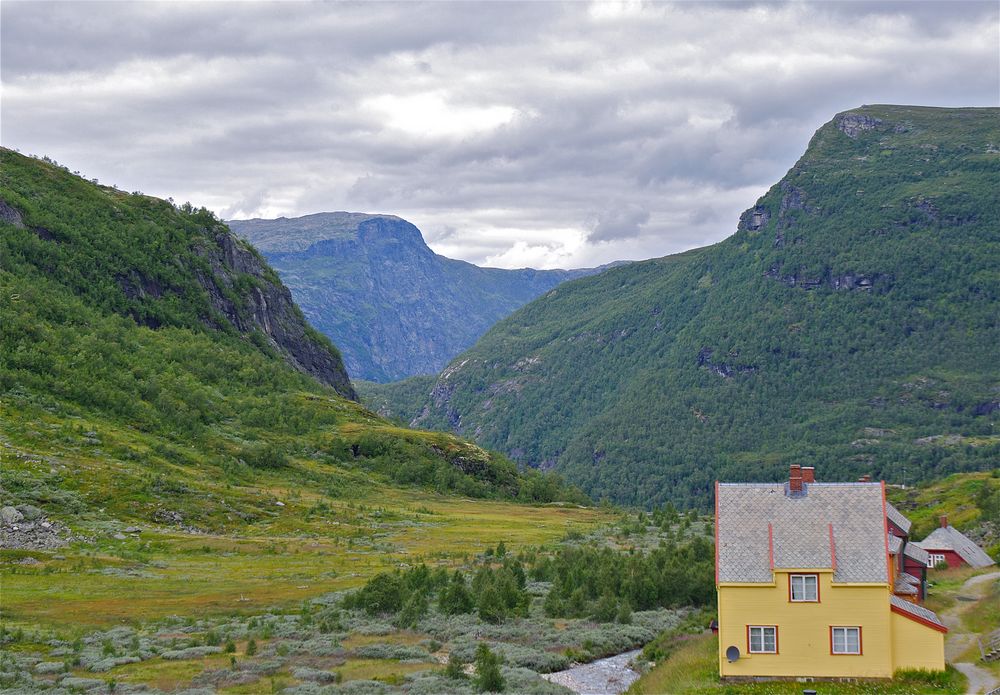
point(934, 558)
point(845, 640)
point(804, 587)
point(762, 639)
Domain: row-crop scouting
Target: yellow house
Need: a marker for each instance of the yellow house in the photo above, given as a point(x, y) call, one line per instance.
point(805, 577)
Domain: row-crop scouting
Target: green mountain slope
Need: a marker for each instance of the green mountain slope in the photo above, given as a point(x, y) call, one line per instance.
point(393, 306)
point(850, 322)
point(138, 256)
point(157, 362)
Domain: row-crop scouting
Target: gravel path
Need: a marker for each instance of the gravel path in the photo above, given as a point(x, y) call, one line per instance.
point(958, 640)
point(609, 676)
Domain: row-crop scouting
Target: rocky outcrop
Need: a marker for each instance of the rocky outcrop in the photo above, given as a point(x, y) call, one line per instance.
point(266, 306)
point(759, 216)
point(853, 124)
point(754, 219)
point(25, 527)
point(10, 215)
point(844, 281)
point(723, 369)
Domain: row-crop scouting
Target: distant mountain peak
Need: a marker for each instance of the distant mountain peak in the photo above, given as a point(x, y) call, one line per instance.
point(393, 306)
point(296, 234)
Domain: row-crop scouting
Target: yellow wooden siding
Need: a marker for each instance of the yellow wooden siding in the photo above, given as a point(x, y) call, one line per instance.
point(915, 645)
point(804, 629)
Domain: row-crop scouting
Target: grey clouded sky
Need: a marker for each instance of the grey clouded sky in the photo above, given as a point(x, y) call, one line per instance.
point(512, 134)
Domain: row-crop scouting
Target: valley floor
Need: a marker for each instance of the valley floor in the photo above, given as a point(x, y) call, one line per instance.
point(156, 609)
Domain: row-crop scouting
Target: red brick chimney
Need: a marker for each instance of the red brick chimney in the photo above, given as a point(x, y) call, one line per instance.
point(866, 478)
point(808, 474)
point(795, 478)
point(944, 522)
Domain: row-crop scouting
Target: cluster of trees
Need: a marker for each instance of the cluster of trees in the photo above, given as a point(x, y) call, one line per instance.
point(607, 585)
point(495, 593)
point(603, 584)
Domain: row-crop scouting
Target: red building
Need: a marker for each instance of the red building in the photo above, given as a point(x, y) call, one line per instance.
point(910, 559)
point(948, 544)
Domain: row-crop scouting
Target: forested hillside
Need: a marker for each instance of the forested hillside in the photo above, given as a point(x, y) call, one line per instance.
point(165, 357)
point(849, 323)
point(393, 306)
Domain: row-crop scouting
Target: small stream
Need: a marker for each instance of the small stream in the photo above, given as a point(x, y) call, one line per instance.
point(610, 676)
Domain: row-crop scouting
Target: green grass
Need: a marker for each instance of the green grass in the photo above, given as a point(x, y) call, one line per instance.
point(985, 616)
point(160, 674)
point(954, 496)
point(693, 669)
point(387, 670)
point(209, 574)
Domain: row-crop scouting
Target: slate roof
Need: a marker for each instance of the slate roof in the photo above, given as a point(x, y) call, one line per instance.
point(800, 531)
point(915, 610)
point(950, 538)
point(895, 544)
point(915, 552)
point(902, 586)
point(896, 517)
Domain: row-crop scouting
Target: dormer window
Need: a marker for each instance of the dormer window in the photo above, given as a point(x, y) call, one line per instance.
point(804, 588)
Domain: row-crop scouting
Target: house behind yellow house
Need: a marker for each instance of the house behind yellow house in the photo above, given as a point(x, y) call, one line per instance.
point(807, 575)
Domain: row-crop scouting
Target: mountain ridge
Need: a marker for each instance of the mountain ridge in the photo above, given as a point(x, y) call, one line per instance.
point(850, 321)
point(394, 306)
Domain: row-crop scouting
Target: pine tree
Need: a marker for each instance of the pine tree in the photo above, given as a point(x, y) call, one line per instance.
point(488, 676)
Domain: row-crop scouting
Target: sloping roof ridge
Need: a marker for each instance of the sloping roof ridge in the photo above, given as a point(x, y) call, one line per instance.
point(950, 538)
point(969, 550)
point(919, 613)
point(897, 517)
point(915, 552)
point(783, 482)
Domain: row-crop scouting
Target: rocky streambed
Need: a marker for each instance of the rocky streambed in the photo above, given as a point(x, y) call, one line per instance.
point(609, 676)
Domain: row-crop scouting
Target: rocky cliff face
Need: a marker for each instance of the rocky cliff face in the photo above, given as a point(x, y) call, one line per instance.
point(393, 306)
point(267, 306)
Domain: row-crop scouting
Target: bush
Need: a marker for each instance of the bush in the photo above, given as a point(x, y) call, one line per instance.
point(382, 594)
point(265, 457)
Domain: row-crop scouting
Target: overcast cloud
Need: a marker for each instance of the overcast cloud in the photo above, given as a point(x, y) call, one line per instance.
point(549, 135)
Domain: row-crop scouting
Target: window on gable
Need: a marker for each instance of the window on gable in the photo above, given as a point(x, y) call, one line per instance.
point(804, 587)
point(763, 639)
point(845, 640)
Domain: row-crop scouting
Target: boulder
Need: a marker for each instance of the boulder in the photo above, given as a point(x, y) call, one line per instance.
point(10, 516)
